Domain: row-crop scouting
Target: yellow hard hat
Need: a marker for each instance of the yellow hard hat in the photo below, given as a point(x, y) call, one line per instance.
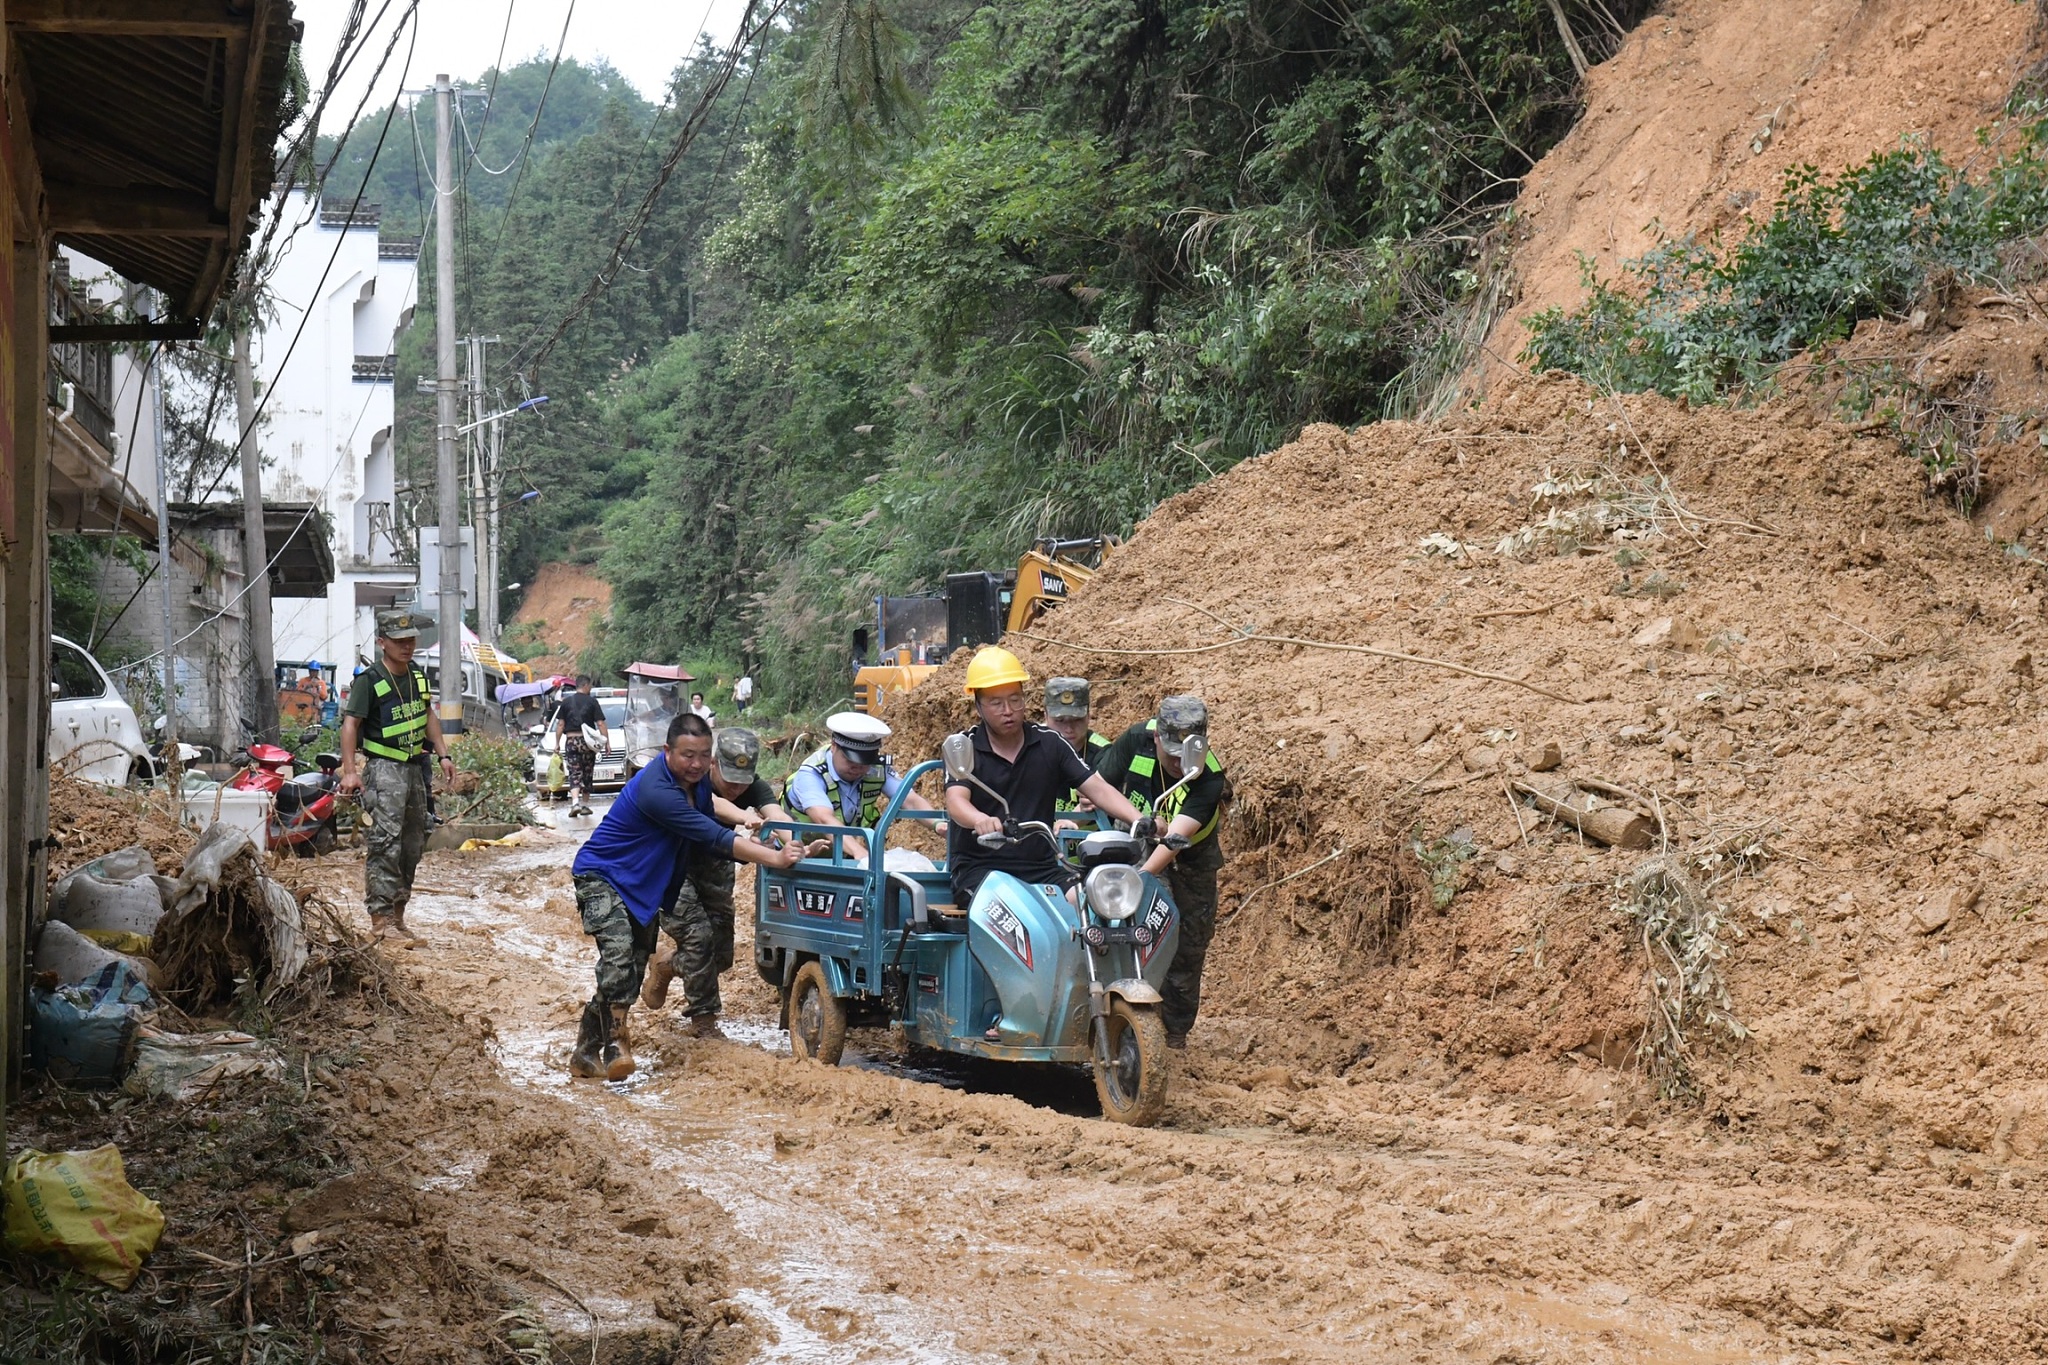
point(993, 667)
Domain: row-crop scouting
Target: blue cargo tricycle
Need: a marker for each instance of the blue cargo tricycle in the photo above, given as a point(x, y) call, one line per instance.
point(1022, 975)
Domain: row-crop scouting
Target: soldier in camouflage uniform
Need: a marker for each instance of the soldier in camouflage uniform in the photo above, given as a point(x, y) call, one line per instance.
point(700, 917)
point(391, 718)
point(1143, 763)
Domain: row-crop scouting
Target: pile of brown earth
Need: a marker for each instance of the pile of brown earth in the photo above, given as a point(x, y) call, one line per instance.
point(1761, 626)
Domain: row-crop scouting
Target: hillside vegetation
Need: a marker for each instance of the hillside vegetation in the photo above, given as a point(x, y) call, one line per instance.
point(937, 278)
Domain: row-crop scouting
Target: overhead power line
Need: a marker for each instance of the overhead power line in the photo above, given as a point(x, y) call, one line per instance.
point(750, 29)
point(561, 45)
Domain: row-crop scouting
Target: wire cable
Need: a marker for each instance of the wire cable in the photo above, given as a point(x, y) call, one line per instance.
point(407, 22)
point(748, 32)
point(561, 44)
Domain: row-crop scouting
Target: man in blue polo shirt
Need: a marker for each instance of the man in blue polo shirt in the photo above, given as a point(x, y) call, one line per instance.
point(626, 877)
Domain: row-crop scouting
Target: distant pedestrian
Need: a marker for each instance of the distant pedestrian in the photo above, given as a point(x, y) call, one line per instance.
point(576, 719)
point(700, 710)
point(391, 718)
point(743, 693)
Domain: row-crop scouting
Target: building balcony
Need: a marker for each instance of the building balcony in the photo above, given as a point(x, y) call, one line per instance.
point(81, 373)
point(374, 369)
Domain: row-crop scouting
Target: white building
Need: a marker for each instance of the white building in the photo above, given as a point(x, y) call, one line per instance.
point(326, 432)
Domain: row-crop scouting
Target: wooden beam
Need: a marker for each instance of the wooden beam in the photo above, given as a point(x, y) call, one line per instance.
point(167, 330)
point(133, 211)
point(128, 18)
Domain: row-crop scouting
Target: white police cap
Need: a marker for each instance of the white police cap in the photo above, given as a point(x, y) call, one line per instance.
point(858, 733)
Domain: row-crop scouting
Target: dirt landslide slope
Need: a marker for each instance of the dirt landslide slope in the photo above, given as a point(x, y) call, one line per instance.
point(1799, 643)
point(1691, 126)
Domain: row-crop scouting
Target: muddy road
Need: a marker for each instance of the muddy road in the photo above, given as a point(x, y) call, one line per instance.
point(901, 1209)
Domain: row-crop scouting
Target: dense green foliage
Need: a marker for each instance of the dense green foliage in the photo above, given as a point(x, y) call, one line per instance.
point(1697, 321)
point(941, 277)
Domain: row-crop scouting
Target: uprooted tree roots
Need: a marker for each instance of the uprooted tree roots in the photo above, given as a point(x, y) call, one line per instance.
point(1679, 925)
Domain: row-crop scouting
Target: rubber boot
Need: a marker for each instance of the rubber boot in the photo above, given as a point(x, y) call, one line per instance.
point(391, 929)
point(618, 1047)
point(588, 1059)
point(704, 1026)
point(660, 972)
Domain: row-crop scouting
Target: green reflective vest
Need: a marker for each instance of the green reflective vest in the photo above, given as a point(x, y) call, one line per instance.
point(1090, 752)
point(1147, 764)
point(871, 789)
point(397, 725)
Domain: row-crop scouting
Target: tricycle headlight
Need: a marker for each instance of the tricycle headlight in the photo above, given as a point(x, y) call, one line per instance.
point(1115, 891)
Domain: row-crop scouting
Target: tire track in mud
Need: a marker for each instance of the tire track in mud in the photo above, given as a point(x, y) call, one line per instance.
point(898, 1220)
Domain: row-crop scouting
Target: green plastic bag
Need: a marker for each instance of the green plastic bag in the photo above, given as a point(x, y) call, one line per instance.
point(80, 1206)
point(558, 773)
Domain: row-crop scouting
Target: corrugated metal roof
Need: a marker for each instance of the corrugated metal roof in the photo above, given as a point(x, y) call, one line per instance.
point(157, 148)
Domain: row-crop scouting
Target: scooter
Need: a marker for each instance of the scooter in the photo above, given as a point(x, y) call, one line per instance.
point(303, 806)
point(1023, 974)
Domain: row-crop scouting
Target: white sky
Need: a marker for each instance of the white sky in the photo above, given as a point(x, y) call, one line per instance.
point(644, 39)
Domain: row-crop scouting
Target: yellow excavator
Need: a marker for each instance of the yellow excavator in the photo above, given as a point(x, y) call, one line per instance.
point(914, 635)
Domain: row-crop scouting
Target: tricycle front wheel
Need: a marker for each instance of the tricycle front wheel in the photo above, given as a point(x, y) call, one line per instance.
point(817, 1018)
point(1131, 1085)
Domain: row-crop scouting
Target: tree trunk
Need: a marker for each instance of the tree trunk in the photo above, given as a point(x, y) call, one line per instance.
point(255, 554)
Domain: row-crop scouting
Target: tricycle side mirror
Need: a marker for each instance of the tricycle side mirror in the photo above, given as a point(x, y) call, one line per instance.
point(958, 751)
point(1194, 752)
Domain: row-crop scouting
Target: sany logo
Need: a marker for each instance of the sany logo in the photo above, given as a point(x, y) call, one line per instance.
point(1010, 931)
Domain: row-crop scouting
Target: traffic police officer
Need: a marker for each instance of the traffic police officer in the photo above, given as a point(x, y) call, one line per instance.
point(390, 717)
point(1143, 762)
point(1066, 711)
point(848, 781)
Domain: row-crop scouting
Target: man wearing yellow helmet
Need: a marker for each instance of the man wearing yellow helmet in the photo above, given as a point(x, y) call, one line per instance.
point(1031, 767)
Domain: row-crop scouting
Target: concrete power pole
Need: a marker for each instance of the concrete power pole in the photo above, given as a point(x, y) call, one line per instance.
point(255, 551)
point(450, 611)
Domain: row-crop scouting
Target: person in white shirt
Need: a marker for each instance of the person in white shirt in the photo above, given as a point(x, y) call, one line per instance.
point(698, 708)
point(743, 692)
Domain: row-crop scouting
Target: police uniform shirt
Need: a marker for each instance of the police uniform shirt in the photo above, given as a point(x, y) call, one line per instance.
point(1199, 800)
point(1047, 768)
point(807, 788)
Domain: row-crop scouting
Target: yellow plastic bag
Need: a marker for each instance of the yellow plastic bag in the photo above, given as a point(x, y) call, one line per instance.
point(558, 773)
point(80, 1206)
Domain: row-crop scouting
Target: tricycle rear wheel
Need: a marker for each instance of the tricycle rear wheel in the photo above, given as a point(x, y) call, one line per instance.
point(817, 1018)
point(1131, 1086)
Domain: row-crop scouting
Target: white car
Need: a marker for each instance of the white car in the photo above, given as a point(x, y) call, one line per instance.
point(93, 731)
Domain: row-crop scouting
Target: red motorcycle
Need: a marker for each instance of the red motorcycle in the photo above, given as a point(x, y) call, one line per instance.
point(303, 807)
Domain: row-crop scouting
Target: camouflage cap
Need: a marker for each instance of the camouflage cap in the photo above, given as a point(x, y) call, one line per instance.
point(402, 623)
point(738, 753)
point(1066, 697)
point(1183, 715)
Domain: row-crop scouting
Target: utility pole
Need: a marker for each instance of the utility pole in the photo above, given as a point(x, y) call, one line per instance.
point(450, 612)
point(163, 566)
point(483, 483)
point(255, 552)
point(493, 489)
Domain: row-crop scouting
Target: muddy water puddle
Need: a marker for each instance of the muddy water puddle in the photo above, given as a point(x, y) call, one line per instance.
point(810, 1289)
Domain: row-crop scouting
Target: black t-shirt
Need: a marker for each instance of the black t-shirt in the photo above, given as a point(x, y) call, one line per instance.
point(579, 709)
point(1047, 768)
point(1198, 800)
point(756, 796)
